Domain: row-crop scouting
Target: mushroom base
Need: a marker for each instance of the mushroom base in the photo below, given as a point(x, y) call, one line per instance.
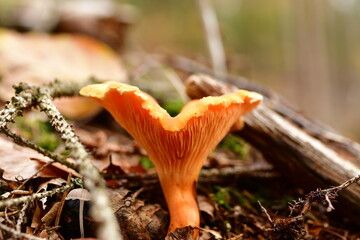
point(180, 195)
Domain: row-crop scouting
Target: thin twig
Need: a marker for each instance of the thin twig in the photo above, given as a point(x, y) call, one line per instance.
point(343, 185)
point(213, 36)
point(265, 212)
point(294, 225)
point(16, 201)
point(332, 192)
point(19, 234)
point(27, 97)
point(62, 202)
point(207, 175)
point(324, 196)
point(35, 174)
point(26, 143)
point(26, 204)
point(21, 216)
point(7, 219)
point(262, 170)
point(61, 126)
point(3, 214)
point(101, 211)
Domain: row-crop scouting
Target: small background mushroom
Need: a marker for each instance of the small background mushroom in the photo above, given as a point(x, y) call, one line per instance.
point(82, 195)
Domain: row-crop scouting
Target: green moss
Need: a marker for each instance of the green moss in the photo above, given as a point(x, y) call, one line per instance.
point(173, 107)
point(38, 131)
point(235, 144)
point(267, 198)
point(222, 197)
point(242, 199)
point(146, 163)
point(229, 197)
point(78, 182)
point(65, 153)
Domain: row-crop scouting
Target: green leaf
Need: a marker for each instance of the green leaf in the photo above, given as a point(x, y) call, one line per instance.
point(235, 144)
point(222, 197)
point(173, 107)
point(146, 163)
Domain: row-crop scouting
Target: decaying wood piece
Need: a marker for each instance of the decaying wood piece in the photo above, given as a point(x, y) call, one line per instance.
point(305, 152)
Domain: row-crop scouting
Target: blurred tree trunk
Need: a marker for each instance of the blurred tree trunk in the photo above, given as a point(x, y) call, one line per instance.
point(344, 32)
point(309, 72)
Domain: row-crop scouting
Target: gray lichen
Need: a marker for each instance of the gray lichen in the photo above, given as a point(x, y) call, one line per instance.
point(27, 97)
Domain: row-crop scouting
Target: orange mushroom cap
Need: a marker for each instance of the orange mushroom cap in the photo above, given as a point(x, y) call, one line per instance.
point(179, 145)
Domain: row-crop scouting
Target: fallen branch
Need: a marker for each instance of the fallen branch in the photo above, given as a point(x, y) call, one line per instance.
point(293, 226)
point(308, 158)
point(274, 101)
point(323, 196)
point(206, 175)
point(21, 216)
point(29, 198)
point(18, 234)
point(35, 174)
point(27, 97)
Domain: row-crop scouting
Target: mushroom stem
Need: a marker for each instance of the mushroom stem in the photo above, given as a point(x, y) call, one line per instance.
point(180, 195)
point(81, 218)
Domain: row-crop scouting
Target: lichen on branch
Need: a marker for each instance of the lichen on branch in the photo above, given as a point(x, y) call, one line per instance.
point(27, 97)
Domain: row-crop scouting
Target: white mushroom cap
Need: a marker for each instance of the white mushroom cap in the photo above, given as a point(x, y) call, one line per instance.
point(79, 194)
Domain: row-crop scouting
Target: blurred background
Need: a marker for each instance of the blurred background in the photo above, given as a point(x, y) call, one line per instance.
point(308, 51)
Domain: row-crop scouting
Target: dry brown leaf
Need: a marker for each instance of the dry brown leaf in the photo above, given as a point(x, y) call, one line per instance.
point(117, 197)
point(205, 236)
point(54, 181)
point(44, 234)
point(205, 205)
point(137, 219)
point(102, 143)
point(16, 163)
point(36, 217)
point(185, 233)
point(50, 216)
point(62, 168)
point(39, 58)
point(215, 234)
point(44, 187)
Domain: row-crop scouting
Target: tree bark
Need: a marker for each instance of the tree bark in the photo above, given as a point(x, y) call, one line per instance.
point(305, 152)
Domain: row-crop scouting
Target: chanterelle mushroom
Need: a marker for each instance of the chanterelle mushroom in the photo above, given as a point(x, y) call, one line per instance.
point(179, 145)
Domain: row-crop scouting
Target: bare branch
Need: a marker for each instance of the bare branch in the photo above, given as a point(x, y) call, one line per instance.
point(16, 201)
point(19, 234)
point(213, 36)
point(206, 175)
point(21, 216)
point(27, 97)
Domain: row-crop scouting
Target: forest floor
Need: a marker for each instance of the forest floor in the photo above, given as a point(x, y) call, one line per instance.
point(240, 195)
point(242, 204)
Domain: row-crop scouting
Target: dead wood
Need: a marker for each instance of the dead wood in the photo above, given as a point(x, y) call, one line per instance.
point(306, 152)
